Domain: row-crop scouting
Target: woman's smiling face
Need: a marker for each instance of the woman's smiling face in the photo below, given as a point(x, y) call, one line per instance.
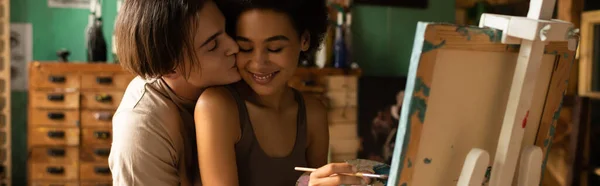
point(269, 49)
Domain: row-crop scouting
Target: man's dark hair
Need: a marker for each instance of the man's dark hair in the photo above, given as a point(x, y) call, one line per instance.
point(306, 16)
point(154, 36)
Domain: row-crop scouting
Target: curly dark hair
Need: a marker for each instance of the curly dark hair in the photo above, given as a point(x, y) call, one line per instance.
point(307, 16)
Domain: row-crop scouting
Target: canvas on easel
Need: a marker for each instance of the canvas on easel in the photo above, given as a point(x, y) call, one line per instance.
point(456, 95)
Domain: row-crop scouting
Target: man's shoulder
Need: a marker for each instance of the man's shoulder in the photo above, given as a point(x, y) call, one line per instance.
point(144, 104)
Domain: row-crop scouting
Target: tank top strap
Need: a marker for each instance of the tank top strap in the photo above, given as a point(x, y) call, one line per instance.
point(301, 133)
point(247, 134)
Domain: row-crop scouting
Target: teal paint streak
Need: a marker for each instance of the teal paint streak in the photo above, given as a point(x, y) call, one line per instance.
point(419, 107)
point(404, 184)
point(566, 55)
point(409, 163)
point(421, 86)
point(493, 34)
point(427, 160)
point(428, 46)
point(554, 52)
point(555, 117)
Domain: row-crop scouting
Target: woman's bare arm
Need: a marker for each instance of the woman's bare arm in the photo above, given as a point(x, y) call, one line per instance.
point(318, 132)
point(217, 131)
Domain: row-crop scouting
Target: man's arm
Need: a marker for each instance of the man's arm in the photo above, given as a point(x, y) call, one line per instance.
point(217, 131)
point(318, 132)
point(141, 152)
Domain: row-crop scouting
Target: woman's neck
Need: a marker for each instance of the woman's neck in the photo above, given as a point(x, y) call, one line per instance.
point(276, 101)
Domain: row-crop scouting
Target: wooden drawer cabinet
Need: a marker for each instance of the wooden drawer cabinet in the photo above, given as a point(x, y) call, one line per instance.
point(338, 90)
point(70, 121)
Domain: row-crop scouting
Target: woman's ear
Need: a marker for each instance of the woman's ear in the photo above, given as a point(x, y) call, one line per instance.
point(305, 41)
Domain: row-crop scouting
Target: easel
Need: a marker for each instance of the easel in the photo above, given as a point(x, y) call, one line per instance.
point(532, 33)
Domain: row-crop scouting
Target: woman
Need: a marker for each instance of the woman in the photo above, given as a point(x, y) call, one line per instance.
point(256, 131)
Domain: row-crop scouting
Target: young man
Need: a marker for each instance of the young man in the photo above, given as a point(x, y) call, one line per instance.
point(177, 48)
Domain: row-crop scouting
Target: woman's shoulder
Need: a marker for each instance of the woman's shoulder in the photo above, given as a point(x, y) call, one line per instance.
point(217, 100)
point(313, 103)
point(316, 111)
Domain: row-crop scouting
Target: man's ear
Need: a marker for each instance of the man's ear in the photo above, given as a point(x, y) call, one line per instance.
point(171, 75)
point(305, 41)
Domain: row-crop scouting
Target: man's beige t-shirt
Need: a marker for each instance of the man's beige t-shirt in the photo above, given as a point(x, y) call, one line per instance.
point(153, 137)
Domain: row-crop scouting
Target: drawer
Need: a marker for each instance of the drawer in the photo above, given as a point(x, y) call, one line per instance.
point(96, 183)
point(53, 80)
point(54, 100)
point(307, 84)
point(106, 80)
point(335, 83)
point(54, 171)
point(101, 100)
point(54, 117)
point(55, 154)
point(94, 171)
point(344, 146)
point(96, 118)
point(342, 115)
point(95, 153)
point(56, 183)
point(96, 136)
point(343, 131)
point(339, 99)
point(54, 136)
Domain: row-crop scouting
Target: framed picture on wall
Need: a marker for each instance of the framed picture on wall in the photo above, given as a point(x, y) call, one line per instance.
point(399, 3)
point(589, 59)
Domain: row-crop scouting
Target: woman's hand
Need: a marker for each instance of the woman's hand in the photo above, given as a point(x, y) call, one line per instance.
point(330, 175)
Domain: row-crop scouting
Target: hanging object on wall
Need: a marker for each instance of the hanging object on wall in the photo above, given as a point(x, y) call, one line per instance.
point(96, 45)
point(398, 3)
point(63, 55)
point(81, 4)
point(113, 39)
point(21, 53)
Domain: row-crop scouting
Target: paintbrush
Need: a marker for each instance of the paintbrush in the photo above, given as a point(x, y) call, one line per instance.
point(358, 174)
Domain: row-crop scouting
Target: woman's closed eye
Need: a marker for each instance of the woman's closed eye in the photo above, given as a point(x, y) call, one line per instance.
point(274, 50)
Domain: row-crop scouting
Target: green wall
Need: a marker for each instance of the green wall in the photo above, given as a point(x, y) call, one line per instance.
point(382, 41)
point(383, 36)
point(53, 29)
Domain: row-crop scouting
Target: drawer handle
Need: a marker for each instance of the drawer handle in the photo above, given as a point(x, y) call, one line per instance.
point(57, 79)
point(56, 152)
point(103, 116)
point(56, 115)
point(55, 170)
point(56, 97)
point(309, 82)
point(56, 134)
point(102, 170)
point(103, 98)
point(102, 152)
point(102, 134)
point(104, 80)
